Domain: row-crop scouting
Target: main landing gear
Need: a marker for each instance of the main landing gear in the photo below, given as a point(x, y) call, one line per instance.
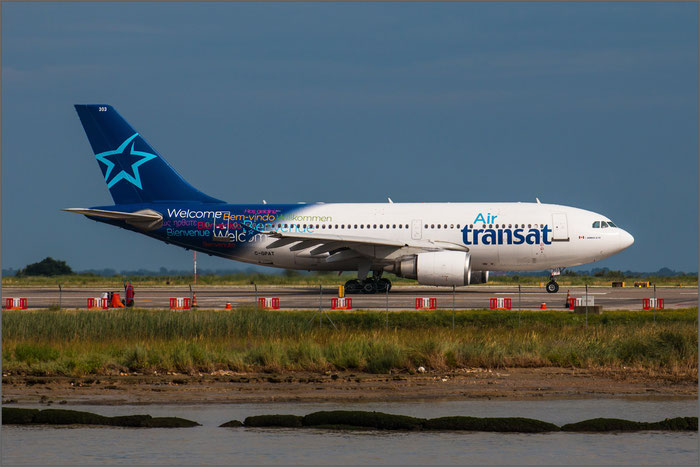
point(552, 286)
point(370, 285)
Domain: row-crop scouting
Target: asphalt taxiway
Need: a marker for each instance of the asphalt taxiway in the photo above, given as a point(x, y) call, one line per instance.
point(400, 297)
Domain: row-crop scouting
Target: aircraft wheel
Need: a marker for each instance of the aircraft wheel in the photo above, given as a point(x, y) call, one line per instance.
point(383, 285)
point(353, 286)
point(552, 287)
point(369, 286)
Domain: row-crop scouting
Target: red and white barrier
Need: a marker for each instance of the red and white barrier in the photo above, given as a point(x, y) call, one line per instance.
point(580, 301)
point(344, 303)
point(16, 304)
point(652, 303)
point(180, 303)
point(424, 303)
point(269, 303)
point(96, 302)
point(499, 303)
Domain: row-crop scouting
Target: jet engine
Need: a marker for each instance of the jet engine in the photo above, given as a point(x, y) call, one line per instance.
point(436, 268)
point(480, 277)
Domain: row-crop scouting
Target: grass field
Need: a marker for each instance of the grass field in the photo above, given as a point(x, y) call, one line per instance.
point(107, 342)
point(293, 278)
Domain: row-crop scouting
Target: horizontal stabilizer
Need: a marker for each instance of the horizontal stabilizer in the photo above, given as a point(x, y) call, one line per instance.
point(146, 219)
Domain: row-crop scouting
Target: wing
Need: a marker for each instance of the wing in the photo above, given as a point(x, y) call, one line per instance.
point(340, 247)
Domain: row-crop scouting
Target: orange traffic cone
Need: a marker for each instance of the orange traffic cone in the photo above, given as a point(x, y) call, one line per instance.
point(194, 299)
point(228, 305)
point(566, 303)
point(543, 306)
point(116, 301)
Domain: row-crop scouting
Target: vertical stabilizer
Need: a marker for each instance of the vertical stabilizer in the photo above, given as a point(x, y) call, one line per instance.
point(133, 170)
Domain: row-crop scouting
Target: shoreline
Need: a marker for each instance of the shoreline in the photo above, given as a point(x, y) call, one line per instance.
point(341, 387)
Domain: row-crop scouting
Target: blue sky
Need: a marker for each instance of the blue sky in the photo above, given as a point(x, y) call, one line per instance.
point(591, 105)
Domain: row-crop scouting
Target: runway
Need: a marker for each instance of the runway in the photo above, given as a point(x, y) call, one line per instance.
point(400, 297)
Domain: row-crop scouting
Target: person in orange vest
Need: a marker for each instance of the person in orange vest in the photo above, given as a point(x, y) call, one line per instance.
point(129, 291)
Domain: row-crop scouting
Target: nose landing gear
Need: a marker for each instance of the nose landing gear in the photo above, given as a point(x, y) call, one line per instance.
point(552, 286)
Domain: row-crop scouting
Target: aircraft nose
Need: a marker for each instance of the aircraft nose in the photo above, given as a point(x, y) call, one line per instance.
point(626, 240)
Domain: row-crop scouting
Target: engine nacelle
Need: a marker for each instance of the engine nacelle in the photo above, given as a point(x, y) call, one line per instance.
point(436, 268)
point(480, 277)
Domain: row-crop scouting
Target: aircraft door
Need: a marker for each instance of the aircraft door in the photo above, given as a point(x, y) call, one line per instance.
point(416, 229)
point(560, 230)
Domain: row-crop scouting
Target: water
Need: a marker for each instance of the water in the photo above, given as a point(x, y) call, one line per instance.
point(209, 444)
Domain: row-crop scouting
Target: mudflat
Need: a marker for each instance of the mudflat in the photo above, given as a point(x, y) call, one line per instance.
point(232, 387)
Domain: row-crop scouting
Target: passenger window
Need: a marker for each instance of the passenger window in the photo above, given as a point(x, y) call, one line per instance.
point(438, 226)
point(458, 226)
point(452, 226)
point(432, 226)
point(393, 226)
point(426, 226)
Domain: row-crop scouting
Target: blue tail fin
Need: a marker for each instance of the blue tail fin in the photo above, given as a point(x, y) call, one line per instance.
point(133, 170)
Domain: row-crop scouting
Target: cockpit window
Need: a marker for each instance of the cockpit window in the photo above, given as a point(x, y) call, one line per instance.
point(611, 224)
point(596, 225)
point(603, 224)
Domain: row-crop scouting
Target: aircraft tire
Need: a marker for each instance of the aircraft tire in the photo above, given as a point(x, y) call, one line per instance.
point(552, 287)
point(369, 287)
point(383, 285)
point(353, 286)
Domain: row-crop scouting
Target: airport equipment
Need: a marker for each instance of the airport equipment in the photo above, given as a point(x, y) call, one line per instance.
point(581, 301)
point(344, 303)
point(499, 303)
point(425, 303)
point(16, 304)
point(180, 303)
point(618, 284)
point(652, 303)
point(341, 291)
point(266, 303)
point(96, 302)
point(642, 284)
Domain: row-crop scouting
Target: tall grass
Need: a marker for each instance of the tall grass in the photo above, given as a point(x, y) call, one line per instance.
point(105, 342)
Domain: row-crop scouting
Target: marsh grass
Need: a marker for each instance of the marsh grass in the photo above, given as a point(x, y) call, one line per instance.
point(77, 343)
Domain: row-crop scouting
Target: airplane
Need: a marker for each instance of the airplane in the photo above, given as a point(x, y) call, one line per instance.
point(438, 244)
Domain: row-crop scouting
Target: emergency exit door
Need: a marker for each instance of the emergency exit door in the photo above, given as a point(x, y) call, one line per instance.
point(416, 229)
point(560, 230)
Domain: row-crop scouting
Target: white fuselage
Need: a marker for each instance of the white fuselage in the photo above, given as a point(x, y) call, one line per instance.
point(499, 236)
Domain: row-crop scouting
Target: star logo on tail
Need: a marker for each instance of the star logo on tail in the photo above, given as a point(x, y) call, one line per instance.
point(127, 159)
